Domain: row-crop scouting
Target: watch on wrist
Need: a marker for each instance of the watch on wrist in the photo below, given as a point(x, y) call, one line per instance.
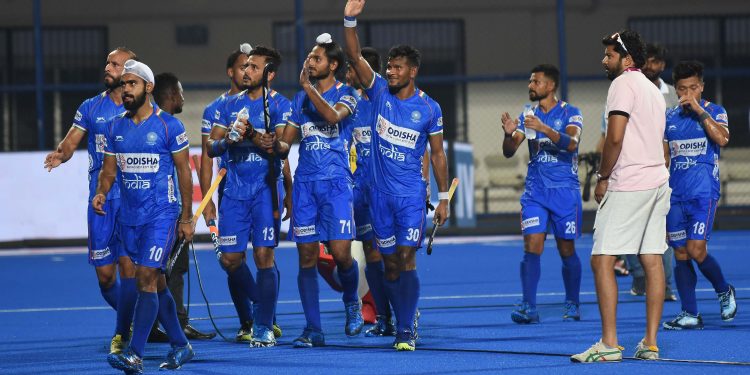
point(599, 177)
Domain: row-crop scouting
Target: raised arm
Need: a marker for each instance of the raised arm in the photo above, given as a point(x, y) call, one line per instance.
point(333, 114)
point(353, 49)
point(511, 138)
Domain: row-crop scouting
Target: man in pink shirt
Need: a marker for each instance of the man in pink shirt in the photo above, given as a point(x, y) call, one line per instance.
point(633, 194)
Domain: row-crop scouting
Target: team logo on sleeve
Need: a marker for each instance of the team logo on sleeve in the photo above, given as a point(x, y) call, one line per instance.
point(217, 115)
point(205, 124)
point(440, 121)
point(151, 138)
point(182, 138)
point(397, 135)
point(722, 117)
point(286, 115)
point(349, 101)
point(101, 143)
point(577, 119)
point(78, 116)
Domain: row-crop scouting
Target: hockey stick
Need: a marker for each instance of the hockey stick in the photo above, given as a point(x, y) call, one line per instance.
point(271, 177)
point(452, 189)
point(198, 212)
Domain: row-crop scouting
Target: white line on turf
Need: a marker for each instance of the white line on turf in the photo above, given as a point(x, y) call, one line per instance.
point(331, 300)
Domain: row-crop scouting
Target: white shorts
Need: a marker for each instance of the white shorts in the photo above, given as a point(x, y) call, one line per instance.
point(632, 222)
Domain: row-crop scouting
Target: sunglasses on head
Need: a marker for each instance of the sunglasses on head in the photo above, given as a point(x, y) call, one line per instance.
point(616, 36)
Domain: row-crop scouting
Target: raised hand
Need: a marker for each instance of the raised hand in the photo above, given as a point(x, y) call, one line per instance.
point(354, 8)
point(509, 124)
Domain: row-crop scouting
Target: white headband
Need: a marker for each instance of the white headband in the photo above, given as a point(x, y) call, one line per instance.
point(139, 69)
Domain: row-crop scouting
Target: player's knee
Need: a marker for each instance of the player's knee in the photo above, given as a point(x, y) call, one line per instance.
point(146, 278)
point(680, 253)
point(106, 276)
point(307, 257)
point(263, 257)
point(230, 263)
point(126, 267)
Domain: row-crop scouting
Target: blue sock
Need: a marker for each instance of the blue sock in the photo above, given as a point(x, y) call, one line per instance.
point(268, 280)
point(685, 278)
point(278, 289)
point(530, 271)
point(712, 271)
point(126, 306)
point(349, 282)
point(242, 280)
point(393, 291)
point(168, 318)
point(111, 294)
point(409, 299)
point(146, 309)
point(571, 272)
point(374, 273)
point(240, 300)
point(307, 282)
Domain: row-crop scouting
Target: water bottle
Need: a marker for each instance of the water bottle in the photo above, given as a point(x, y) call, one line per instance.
point(234, 135)
point(528, 110)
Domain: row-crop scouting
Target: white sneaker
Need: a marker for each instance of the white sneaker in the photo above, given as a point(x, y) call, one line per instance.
point(647, 352)
point(599, 352)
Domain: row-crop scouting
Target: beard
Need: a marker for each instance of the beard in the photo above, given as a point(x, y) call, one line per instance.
point(396, 88)
point(134, 105)
point(111, 85)
point(251, 86)
point(651, 75)
point(535, 97)
point(178, 110)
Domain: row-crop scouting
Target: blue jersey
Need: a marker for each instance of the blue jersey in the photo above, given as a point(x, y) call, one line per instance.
point(247, 165)
point(549, 166)
point(144, 159)
point(361, 135)
point(210, 114)
point(694, 164)
point(401, 129)
point(91, 117)
point(324, 148)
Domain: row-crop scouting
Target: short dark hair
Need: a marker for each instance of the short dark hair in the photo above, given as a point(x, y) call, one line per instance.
point(372, 56)
point(233, 58)
point(687, 69)
point(272, 55)
point(550, 71)
point(128, 51)
point(164, 85)
point(634, 46)
point(656, 51)
point(334, 53)
point(412, 55)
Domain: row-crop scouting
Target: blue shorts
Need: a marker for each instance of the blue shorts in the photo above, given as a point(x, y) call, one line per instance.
point(397, 221)
point(559, 208)
point(690, 220)
point(322, 211)
point(105, 241)
point(251, 220)
point(149, 244)
point(362, 212)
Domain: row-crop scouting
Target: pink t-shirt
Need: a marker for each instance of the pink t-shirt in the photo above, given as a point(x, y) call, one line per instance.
point(640, 165)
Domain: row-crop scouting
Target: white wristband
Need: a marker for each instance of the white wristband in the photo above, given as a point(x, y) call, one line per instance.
point(443, 196)
point(350, 22)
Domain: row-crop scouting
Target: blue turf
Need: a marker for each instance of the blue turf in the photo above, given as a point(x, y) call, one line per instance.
point(468, 292)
